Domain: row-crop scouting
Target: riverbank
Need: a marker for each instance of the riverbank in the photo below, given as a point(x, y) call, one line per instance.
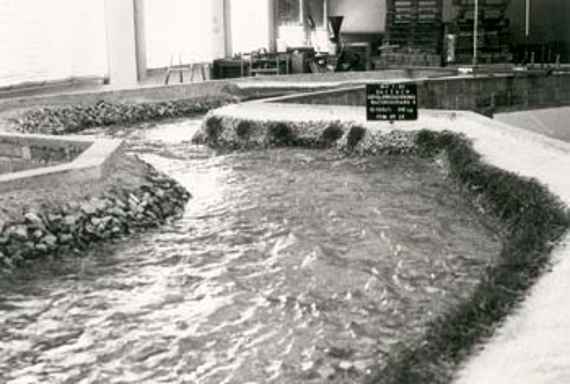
point(38, 224)
point(74, 118)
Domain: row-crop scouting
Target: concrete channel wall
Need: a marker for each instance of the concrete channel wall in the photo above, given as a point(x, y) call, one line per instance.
point(485, 94)
point(83, 160)
point(21, 152)
point(245, 88)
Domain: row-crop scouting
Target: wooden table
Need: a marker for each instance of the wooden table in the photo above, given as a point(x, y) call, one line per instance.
point(269, 64)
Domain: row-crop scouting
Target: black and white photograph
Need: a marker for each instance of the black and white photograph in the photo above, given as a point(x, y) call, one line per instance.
point(284, 191)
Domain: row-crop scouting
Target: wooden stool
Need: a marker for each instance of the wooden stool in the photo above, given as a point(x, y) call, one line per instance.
point(181, 68)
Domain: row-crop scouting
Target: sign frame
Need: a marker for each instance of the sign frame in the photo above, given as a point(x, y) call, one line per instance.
point(392, 102)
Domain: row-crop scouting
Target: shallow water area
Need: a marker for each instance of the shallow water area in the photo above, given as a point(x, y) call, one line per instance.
point(289, 265)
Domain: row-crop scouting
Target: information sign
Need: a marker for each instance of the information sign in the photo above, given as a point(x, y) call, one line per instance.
point(392, 102)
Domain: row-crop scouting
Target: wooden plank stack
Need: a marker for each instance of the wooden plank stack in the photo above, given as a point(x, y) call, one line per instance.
point(494, 37)
point(415, 25)
point(418, 27)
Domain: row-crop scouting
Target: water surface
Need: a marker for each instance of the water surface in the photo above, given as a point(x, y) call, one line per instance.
point(288, 266)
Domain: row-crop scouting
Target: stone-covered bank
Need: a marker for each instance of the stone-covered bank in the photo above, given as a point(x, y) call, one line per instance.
point(40, 224)
point(66, 119)
point(35, 224)
point(235, 133)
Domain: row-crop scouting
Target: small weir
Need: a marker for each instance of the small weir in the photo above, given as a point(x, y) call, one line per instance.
point(288, 266)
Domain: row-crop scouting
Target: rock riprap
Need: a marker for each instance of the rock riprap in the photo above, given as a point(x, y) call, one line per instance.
point(118, 211)
point(233, 133)
point(58, 120)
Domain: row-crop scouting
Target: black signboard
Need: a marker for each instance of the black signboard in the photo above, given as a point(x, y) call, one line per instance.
point(392, 102)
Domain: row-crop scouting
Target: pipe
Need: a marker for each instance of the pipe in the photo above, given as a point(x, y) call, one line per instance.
point(527, 18)
point(475, 31)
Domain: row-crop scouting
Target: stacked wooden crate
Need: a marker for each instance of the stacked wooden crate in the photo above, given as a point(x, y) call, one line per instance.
point(493, 40)
point(399, 59)
point(415, 25)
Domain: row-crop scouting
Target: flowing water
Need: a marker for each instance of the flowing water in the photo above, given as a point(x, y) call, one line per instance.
point(288, 266)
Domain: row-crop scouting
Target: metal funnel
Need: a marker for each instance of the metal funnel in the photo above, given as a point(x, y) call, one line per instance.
point(335, 22)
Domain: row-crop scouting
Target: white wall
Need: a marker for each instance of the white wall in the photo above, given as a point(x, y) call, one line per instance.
point(51, 40)
point(367, 16)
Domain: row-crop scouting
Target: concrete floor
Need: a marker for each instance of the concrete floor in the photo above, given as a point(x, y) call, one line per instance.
point(552, 122)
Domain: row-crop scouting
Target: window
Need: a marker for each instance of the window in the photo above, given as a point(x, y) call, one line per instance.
point(249, 25)
point(302, 22)
point(298, 12)
point(289, 12)
point(51, 40)
point(315, 9)
point(178, 30)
